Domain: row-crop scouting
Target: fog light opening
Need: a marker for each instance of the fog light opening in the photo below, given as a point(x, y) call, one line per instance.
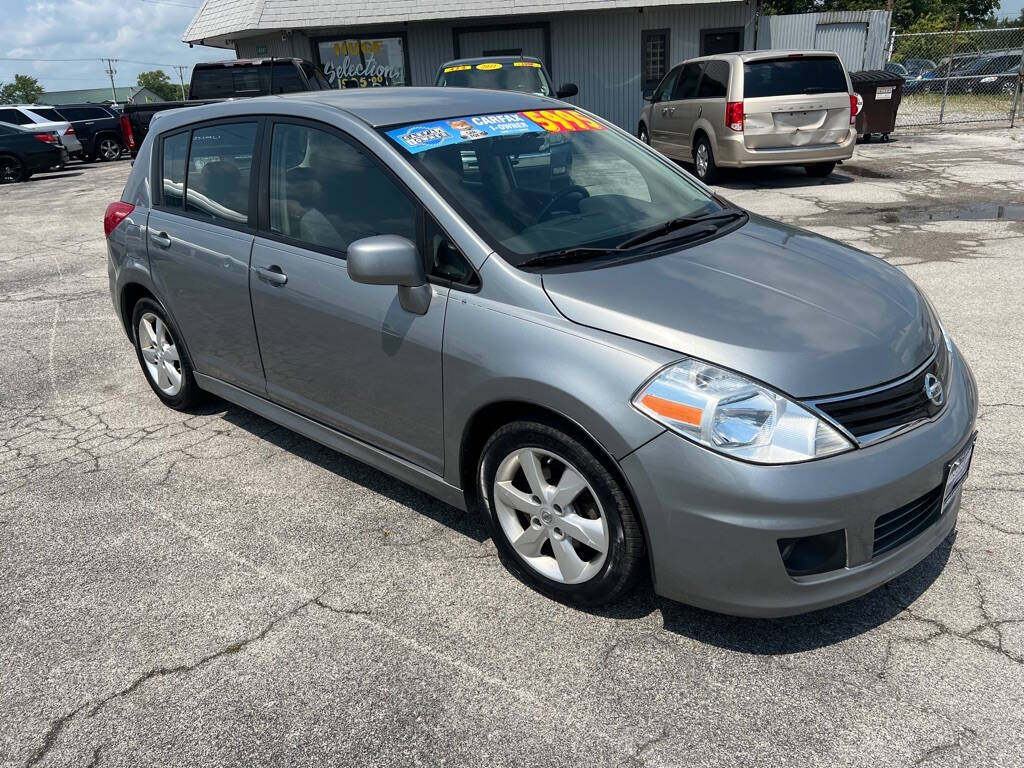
point(808, 555)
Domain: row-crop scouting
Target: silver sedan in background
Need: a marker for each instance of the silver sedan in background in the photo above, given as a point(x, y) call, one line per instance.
point(522, 310)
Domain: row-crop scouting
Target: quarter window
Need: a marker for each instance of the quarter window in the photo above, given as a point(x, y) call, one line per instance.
point(219, 163)
point(715, 81)
point(175, 151)
point(327, 192)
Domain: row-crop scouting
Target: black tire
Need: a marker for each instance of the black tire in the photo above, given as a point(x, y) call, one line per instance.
point(624, 561)
point(709, 174)
point(108, 148)
point(12, 170)
point(643, 135)
point(190, 394)
point(820, 170)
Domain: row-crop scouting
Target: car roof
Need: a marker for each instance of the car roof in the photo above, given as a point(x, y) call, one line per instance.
point(765, 54)
point(391, 106)
point(245, 62)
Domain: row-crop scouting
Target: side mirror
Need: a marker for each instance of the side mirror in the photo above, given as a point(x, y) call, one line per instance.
point(565, 90)
point(391, 260)
point(648, 94)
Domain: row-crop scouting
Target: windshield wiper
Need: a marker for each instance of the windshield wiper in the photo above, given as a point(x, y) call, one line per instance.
point(570, 256)
point(672, 225)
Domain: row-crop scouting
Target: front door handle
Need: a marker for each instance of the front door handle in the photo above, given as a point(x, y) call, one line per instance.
point(271, 274)
point(161, 238)
point(700, 110)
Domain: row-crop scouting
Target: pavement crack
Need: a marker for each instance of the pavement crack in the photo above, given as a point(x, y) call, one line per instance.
point(319, 603)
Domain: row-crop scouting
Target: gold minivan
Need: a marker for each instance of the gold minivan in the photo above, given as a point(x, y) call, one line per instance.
point(754, 108)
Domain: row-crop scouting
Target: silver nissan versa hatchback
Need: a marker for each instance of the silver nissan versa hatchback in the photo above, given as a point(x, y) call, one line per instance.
point(519, 308)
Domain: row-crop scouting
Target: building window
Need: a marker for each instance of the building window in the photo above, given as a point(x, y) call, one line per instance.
point(367, 61)
point(725, 40)
point(654, 50)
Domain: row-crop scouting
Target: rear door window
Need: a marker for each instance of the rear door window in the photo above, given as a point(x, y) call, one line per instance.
point(715, 82)
point(15, 116)
point(686, 87)
point(219, 164)
point(800, 75)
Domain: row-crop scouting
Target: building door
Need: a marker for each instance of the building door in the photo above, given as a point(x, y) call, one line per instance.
point(504, 40)
point(727, 40)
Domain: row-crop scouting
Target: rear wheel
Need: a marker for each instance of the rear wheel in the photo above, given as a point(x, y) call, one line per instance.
point(704, 161)
point(560, 520)
point(108, 148)
point(162, 357)
point(11, 170)
point(820, 170)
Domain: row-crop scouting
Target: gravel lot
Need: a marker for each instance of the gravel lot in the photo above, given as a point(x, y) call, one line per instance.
point(209, 589)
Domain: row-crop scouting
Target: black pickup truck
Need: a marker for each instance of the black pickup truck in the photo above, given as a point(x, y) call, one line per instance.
point(214, 81)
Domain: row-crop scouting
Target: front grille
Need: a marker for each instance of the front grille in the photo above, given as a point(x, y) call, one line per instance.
point(884, 409)
point(901, 525)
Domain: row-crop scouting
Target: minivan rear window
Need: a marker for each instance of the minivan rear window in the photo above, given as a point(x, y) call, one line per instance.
point(793, 75)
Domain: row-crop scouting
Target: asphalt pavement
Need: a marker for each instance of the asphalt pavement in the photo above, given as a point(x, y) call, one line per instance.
point(210, 589)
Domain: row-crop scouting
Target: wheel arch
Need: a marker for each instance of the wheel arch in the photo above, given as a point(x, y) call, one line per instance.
point(486, 420)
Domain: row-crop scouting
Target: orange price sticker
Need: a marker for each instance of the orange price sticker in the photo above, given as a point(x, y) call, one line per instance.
point(562, 120)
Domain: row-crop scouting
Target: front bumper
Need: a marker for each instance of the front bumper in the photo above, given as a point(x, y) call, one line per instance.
point(713, 523)
point(733, 153)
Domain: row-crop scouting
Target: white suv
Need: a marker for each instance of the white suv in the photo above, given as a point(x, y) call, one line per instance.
point(754, 108)
point(37, 115)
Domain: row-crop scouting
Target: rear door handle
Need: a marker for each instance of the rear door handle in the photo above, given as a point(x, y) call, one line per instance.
point(700, 110)
point(161, 238)
point(271, 274)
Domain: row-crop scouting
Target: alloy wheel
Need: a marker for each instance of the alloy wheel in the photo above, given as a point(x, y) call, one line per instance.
point(551, 515)
point(109, 149)
point(644, 137)
point(10, 170)
point(702, 159)
point(160, 354)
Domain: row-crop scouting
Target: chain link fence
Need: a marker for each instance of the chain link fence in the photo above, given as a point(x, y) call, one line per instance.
point(960, 76)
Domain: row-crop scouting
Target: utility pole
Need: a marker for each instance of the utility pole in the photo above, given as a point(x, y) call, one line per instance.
point(111, 71)
point(181, 80)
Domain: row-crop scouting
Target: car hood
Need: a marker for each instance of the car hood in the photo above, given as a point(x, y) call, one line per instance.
point(800, 312)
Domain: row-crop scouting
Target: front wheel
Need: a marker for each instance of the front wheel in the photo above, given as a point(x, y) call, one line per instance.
point(643, 135)
point(560, 520)
point(820, 170)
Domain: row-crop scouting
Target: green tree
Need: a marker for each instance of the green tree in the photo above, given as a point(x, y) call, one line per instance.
point(905, 13)
point(159, 83)
point(24, 89)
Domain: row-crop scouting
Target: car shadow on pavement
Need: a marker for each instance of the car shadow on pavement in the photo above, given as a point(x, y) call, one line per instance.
point(47, 176)
point(779, 177)
point(352, 470)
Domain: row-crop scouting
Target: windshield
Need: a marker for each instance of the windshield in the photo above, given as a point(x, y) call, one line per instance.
point(541, 182)
point(522, 76)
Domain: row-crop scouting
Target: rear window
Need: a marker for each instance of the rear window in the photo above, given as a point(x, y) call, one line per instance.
point(522, 76)
point(793, 76)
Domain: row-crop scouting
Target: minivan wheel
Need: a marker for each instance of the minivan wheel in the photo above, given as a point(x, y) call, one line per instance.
point(820, 170)
point(108, 148)
point(643, 135)
point(11, 170)
point(560, 520)
point(163, 359)
point(704, 161)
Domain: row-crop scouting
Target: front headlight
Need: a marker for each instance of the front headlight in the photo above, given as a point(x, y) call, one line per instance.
point(732, 415)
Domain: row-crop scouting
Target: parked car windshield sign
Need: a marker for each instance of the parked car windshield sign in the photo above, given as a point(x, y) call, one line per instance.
point(522, 76)
point(546, 181)
point(793, 75)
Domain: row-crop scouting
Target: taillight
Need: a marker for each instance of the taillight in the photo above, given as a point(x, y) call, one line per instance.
point(70, 131)
point(126, 132)
point(734, 115)
point(116, 213)
point(47, 137)
point(853, 109)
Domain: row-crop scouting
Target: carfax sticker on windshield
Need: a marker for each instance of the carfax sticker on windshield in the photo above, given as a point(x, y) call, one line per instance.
point(421, 137)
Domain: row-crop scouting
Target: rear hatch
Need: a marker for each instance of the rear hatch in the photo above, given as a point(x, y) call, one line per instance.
point(795, 100)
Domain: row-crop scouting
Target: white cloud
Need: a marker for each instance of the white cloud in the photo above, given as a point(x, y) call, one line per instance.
point(141, 34)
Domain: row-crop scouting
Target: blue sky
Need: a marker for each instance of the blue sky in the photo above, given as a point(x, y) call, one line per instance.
point(133, 31)
point(143, 34)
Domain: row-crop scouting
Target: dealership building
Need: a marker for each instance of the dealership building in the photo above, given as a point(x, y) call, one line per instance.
point(613, 50)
